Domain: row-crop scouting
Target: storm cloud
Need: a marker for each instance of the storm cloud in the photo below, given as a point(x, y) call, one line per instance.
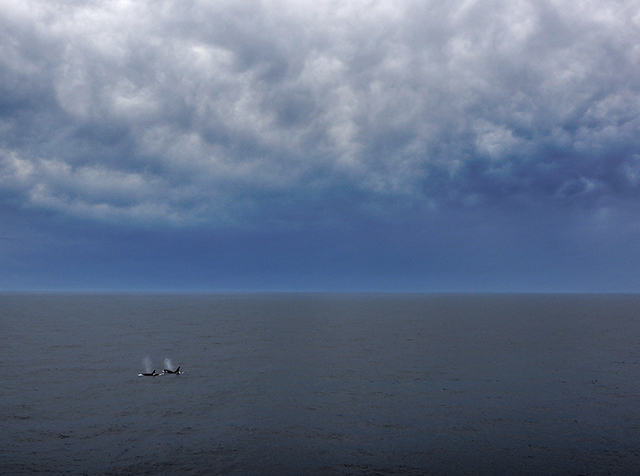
point(284, 114)
point(192, 112)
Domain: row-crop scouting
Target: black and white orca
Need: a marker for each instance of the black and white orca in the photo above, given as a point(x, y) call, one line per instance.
point(149, 374)
point(176, 371)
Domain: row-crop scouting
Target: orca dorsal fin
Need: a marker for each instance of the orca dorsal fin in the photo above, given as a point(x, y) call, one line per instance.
point(178, 369)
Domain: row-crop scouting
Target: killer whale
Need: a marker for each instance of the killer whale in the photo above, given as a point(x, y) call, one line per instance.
point(176, 371)
point(149, 374)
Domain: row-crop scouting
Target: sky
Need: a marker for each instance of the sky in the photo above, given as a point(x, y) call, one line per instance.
point(325, 145)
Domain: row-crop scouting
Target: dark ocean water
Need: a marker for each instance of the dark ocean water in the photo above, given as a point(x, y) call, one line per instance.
point(320, 384)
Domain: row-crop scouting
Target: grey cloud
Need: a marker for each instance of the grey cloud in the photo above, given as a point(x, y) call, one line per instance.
point(218, 112)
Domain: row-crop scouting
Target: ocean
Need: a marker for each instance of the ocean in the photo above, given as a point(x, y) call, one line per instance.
point(320, 384)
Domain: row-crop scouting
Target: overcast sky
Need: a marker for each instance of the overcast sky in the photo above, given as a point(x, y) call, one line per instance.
point(320, 145)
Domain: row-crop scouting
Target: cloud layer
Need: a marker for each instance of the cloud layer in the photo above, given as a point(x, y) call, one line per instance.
point(219, 113)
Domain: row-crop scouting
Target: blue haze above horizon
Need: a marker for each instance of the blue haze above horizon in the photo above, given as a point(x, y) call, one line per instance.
point(480, 146)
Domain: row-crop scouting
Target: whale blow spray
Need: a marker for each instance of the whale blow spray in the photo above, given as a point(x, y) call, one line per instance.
point(147, 364)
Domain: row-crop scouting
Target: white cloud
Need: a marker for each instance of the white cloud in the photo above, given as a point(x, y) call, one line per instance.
point(494, 140)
